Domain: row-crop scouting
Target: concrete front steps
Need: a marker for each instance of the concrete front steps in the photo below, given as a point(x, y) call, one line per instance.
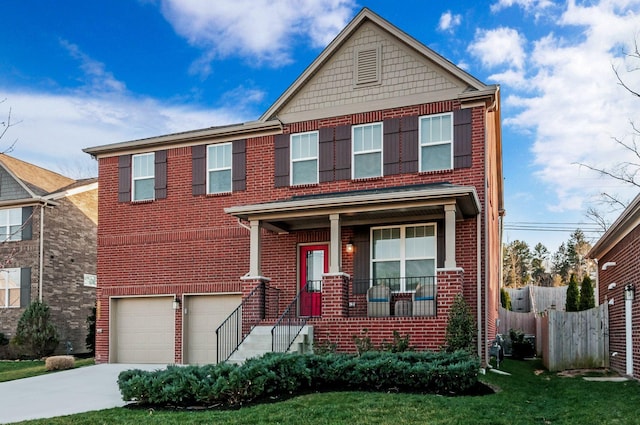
point(258, 342)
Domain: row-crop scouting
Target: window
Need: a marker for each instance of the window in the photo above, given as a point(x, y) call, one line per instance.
point(367, 151)
point(403, 255)
point(219, 168)
point(436, 142)
point(11, 224)
point(143, 177)
point(304, 158)
point(9, 288)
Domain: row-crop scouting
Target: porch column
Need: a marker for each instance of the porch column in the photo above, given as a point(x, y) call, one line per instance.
point(450, 236)
point(335, 250)
point(254, 249)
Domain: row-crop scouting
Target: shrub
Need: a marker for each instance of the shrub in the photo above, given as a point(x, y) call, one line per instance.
point(398, 345)
point(59, 363)
point(587, 298)
point(363, 344)
point(572, 302)
point(35, 334)
point(521, 347)
point(505, 299)
point(461, 328)
point(281, 375)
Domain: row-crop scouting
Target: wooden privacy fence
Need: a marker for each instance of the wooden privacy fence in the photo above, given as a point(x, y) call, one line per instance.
point(528, 323)
point(575, 340)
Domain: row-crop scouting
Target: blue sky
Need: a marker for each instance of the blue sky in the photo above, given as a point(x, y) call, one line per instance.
point(81, 73)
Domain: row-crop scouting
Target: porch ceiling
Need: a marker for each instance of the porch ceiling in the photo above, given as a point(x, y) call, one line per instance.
point(375, 206)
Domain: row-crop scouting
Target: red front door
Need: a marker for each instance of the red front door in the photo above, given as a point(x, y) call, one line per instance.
point(314, 261)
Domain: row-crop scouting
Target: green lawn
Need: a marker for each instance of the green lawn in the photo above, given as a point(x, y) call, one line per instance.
point(522, 398)
point(10, 370)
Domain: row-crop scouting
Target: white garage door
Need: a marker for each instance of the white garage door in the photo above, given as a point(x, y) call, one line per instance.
point(142, 330)
point(202, 316)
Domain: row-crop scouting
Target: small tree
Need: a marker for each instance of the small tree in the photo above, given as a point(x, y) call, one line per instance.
point(573, 295)
point(587, 298)
point(90, 340)
point(461, 328)
point(505, 299)
point(35, 333)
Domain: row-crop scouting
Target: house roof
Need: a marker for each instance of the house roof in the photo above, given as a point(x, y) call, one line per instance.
point(418, 201)
point(625, 224)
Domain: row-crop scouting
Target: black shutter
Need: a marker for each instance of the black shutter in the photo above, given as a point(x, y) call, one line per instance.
point(199, 170)
point(440, 243)
point(160, 174)
point(343, 152)
point(239, 165)
point(325, 154)
point(410, 144)
point(462, 138)
point(281, 165)
point(27, 224)
point(361, 259)
point(25, 287)
point(391, 146)
point(124, 178)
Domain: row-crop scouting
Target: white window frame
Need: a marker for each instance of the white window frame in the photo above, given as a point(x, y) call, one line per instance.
point(437, 143)
point(303, 159)
point(402, 258)
point(367, 151)
point(134, 179)
point(220, 146)
point(8, 224)
point(4, 277)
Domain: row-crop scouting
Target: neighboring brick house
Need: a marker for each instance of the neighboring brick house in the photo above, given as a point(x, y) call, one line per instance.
point(48, 228)
point(617, 253)
point(380, 166)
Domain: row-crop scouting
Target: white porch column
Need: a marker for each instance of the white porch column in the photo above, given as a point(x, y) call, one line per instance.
point(450, 236)
point(335, 245)
point(628, 323)
point(254, 249)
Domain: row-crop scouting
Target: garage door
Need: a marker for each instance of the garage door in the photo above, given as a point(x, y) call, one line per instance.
point(143, 330)
point(203, 315)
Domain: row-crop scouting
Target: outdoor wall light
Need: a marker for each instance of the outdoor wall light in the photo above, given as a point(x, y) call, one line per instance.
point(629, 291)
point(608, 264)
point(176, 302)
point(611, 302)
point(349, 247)
point(611, 286)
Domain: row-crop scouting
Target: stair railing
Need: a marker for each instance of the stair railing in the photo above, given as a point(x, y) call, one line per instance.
point(289, 324)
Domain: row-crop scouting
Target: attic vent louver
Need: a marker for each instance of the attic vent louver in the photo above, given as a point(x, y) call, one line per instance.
point(368, 66)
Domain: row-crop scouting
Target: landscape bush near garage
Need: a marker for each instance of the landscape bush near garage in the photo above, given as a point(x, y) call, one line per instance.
point(278, 375)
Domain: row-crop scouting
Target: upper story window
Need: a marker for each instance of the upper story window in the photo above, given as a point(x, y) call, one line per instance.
point(304, 158)
point(219, 168)
point(9, 288)
point(436, 142)
point(367, 151)
point(11, 224)
point(143, 177)
point(403, 256)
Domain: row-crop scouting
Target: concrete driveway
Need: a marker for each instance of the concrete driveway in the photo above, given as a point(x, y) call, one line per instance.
point(64, 393)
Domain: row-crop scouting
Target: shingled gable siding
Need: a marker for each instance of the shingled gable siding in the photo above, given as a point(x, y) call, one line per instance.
point(325, 154)
point(160, 174)
point(391, 146)
point(462, 138)
point(281, 173)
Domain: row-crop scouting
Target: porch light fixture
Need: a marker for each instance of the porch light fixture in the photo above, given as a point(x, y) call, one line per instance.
point(629, 291)
point(349, 246)
point(608, 264)
point(176, 302)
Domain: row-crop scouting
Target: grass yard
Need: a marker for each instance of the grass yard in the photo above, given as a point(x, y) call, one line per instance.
point(10, 370)
point(528, 396)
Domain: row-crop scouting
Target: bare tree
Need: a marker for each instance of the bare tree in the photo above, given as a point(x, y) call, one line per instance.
point(4, 128)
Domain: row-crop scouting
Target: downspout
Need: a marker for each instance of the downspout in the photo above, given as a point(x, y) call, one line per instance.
point(479, 282)
point(41, 265)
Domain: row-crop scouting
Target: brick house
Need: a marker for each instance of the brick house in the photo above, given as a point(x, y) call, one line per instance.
point(617, 254)
point(379, 167)
point(48, 229)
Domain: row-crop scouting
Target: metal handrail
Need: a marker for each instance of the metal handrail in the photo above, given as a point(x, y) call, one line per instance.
point(236, 327)
point(289, 324)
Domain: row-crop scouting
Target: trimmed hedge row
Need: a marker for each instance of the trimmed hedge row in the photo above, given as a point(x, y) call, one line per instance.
point(275, 374)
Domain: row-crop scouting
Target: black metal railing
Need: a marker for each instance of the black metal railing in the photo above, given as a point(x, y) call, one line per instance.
point(236, 327)
point(290, 322)
point(398, 296)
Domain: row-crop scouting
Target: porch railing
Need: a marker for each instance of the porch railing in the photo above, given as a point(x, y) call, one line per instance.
point(236, 327)
point(405, 296)
point(290, 323)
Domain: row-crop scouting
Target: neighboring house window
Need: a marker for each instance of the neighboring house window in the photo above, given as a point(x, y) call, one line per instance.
point(143, 177)
point(11, 224)
point(367, 151)
point(90, 280)
point(403, 256)
point(219, 168)
point(436, 142)
point(9, 288)
point(304, 158)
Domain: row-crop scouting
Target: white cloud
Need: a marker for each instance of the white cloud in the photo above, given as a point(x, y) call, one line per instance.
point(96, 77)
point(448, 21)
point(536, 6)
point(499, 47)
point(262, 31)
